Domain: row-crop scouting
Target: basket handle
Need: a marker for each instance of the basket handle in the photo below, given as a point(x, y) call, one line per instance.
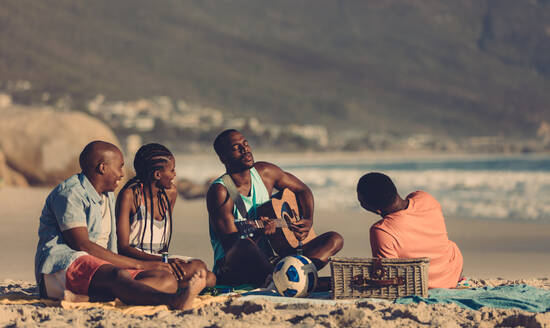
point(378, 272)
point(361, 281)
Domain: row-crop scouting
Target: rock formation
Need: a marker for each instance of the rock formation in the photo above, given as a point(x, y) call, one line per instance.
point(191, 190)
point(43, 145)
point(8, 176)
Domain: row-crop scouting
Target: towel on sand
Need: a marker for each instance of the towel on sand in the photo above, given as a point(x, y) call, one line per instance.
point(521, 297)
point(117, 305)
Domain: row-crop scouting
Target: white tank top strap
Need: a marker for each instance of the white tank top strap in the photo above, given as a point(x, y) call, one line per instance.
point(141, 221)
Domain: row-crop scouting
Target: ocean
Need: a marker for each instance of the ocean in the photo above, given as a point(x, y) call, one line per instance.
point(513, 188)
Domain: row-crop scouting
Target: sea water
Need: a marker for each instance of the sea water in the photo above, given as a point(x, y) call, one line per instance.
point(513, 188)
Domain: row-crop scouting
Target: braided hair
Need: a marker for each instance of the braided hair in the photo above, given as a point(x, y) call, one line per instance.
point(149, 159)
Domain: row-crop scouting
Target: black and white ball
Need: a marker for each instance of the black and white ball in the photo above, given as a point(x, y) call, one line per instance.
point(295, 276)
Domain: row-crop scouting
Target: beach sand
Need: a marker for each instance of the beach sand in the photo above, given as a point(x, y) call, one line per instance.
point(514, 251)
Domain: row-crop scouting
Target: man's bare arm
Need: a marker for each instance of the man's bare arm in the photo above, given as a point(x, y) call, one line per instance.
point(77, 238)
point(220, 213)
point(275, 177)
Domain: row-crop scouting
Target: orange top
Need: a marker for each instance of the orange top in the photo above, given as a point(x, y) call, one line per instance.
point(419, 231)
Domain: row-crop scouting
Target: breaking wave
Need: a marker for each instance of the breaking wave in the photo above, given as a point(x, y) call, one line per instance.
point(506, 188)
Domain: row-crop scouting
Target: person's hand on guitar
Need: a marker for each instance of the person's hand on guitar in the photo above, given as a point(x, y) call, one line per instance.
point(269, 226)
point(301, 228)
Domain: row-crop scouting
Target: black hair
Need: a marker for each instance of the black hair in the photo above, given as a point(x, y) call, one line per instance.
point(219, 141)
point(149, 159)
point(377, 189)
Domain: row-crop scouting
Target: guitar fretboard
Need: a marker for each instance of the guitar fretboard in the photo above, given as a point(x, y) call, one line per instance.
point(279, 223)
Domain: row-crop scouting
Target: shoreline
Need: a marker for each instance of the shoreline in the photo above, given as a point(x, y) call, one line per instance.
point(354, 156)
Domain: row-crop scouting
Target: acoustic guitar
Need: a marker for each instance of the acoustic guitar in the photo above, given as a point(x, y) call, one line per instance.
point(283, 209)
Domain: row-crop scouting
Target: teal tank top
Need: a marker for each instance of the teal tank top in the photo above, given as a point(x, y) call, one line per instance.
point(258, 195)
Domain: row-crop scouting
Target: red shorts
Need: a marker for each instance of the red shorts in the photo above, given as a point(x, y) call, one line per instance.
point(81, 271)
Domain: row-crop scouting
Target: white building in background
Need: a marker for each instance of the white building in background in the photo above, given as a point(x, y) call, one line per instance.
point(317, 133)
point(186, 121)
point(419, 141)
point(212, 116)
point(142, 124)
point(18, 86)
point(143, 114)
point(96, 104)
point(254, 125)
point(197, 117)
point(183, 107)
point(235, 123)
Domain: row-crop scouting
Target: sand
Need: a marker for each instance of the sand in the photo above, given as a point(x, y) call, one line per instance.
point(515, 252)
point(240, 312)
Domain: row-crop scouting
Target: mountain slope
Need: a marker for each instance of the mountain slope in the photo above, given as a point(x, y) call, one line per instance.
point(458, 68)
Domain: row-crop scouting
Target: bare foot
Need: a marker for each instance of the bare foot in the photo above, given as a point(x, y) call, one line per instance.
point(72, 297)
point(184, 300)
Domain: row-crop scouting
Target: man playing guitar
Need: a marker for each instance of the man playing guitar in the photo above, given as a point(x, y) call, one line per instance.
point(243, 259)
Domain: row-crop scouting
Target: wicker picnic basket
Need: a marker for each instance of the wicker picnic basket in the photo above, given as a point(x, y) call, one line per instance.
point(379, 278)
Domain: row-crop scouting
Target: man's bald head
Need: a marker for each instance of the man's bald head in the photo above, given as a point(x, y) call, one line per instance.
point(95, 153)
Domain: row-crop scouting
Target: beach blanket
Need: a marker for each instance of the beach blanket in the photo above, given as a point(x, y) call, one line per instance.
point(226, 289)
point(319, 298)
point(521, 297)
point(244, 292)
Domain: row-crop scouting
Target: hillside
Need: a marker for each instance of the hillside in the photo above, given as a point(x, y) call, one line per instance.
point(457, 68)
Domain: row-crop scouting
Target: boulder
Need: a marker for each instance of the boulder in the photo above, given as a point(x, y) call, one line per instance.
point(191, 190)
point(43, 145)
point(10, 177)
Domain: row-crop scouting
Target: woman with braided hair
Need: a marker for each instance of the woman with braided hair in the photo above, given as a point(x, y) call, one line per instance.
point(144, 213)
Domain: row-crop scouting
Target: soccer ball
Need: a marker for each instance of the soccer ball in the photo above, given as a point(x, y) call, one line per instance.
point(295, 276)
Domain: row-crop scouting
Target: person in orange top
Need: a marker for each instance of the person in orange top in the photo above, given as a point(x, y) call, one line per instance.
point(410, 228)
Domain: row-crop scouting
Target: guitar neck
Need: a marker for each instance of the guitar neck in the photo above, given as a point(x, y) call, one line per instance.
point(259, 224)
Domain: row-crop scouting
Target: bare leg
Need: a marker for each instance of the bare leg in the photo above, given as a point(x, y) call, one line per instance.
point(195, 286)
point(319, 249)
point(110, 281)
point(158, 279)
point(72, 297)
point(210, 279)
point(245, 263)
point(192, 267)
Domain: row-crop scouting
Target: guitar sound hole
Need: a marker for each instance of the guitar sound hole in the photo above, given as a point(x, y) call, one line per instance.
point(287, 212)
point(287, 218)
